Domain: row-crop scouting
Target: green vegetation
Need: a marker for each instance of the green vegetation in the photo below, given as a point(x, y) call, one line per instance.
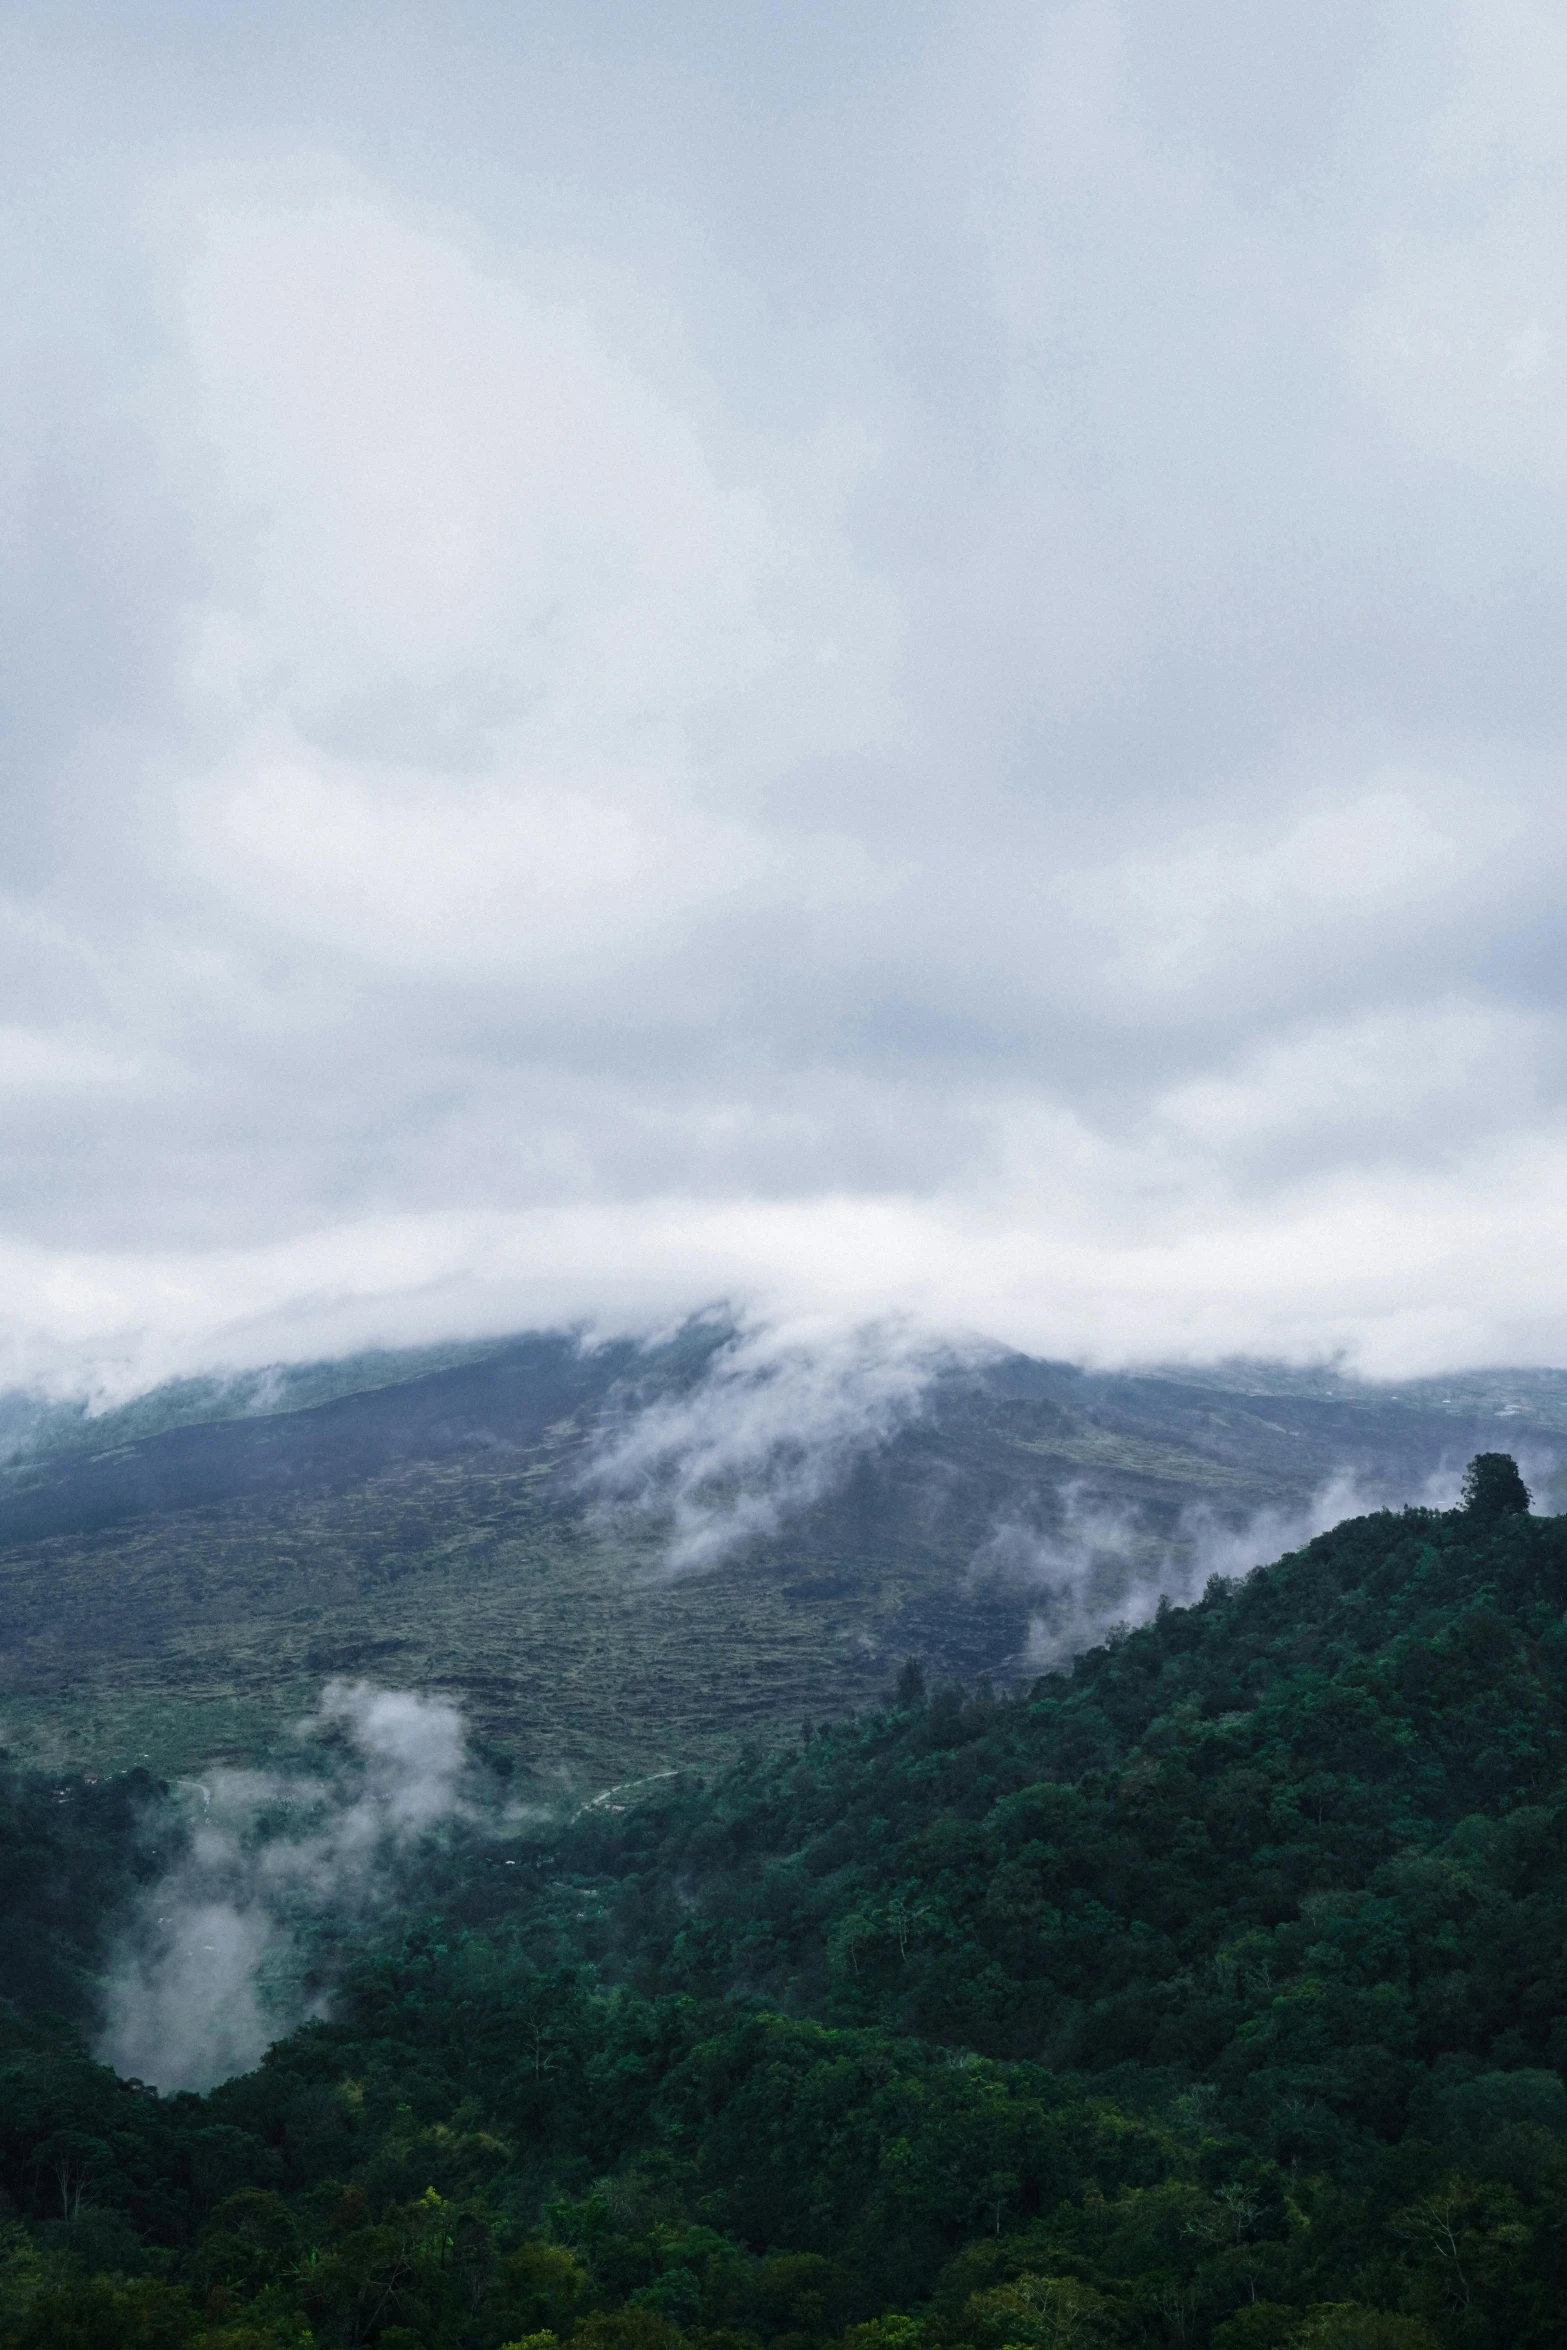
point(1211, 1994)
point(1493, 1488)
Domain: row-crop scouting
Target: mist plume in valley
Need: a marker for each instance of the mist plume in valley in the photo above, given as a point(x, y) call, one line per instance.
point(215, 1964)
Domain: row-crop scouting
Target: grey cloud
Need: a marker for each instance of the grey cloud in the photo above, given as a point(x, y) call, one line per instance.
point(913, 652)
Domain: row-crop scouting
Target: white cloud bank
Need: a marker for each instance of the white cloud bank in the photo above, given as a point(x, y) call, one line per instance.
point(883, 664)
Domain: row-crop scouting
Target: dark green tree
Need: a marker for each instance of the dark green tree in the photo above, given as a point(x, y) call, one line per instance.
point(1493, 1487)
point(911, 1685)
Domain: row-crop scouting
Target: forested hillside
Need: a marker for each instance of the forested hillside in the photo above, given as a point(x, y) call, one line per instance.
point(1213, 1992)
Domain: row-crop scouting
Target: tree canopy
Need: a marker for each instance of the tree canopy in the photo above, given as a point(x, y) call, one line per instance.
point(1493, 1487)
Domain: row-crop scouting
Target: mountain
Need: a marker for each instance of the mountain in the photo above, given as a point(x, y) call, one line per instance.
point(1206, 1996)
point(177, 1578)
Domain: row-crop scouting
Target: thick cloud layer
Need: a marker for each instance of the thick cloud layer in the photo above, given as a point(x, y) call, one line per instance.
point(876, 659)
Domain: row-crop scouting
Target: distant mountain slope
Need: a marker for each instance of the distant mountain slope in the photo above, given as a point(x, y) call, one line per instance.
point(179, 1591)
point(508, 1401)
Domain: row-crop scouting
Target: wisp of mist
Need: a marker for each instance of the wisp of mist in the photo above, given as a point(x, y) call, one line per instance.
point(776, 1422)
point(212, 1967)
point(780, 1416)
point(1100, 1568)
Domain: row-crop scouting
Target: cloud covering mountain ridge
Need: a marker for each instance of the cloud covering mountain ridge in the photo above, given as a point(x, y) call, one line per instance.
point(878, 664)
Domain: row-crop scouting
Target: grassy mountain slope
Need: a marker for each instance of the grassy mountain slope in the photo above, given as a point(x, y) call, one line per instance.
point(179, 1592)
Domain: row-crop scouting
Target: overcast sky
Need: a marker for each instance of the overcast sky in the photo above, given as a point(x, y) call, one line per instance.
point(860, 655)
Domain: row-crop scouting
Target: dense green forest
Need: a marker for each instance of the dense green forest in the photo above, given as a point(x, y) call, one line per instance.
point(1212, 1992)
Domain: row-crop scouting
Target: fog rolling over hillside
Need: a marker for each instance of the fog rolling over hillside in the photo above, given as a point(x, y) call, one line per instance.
point(621, 1558)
